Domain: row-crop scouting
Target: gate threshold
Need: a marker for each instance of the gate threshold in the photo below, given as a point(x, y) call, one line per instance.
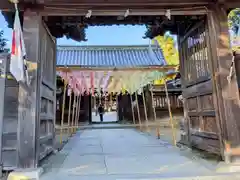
point(121, 126)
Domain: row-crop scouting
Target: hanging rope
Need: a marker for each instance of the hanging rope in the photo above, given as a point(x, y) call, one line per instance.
point(229, 77)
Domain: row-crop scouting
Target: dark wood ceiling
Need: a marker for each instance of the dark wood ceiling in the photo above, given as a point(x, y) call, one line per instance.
point(157, 24)
point(67, 17)
point(74, 27)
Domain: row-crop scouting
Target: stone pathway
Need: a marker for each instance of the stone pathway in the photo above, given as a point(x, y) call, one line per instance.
point(121, 154)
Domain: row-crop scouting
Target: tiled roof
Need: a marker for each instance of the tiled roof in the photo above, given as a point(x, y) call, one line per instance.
point(108, 56)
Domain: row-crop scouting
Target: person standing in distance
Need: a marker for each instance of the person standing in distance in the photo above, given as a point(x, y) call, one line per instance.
point(101, 112)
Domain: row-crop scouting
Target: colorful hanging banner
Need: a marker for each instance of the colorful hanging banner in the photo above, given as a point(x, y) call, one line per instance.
point(115, 81)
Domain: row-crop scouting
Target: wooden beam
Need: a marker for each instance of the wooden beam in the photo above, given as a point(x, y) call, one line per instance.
point(134, 3)
point(116, 11)
point(22, 5)
point(125, 2)
point(64, 7)
point(149, 68)
point(6, 5)
point(110, 9)
point(232, 4)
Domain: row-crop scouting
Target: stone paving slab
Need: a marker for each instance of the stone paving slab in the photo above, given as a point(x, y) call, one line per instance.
point(143, 177)
point(122, 154)
point(82, 165)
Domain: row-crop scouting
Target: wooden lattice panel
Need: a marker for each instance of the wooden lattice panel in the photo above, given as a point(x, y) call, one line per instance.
point(210, 124)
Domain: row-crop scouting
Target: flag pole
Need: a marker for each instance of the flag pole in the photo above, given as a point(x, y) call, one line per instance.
point(69, 113)
point(73, 112)
point(154, 113)
point(63, 110)
point(145, 110)
point(170, 115)
point(133, 115)
point(138, 111)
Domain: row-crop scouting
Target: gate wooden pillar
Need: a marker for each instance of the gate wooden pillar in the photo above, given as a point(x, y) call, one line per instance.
point(29, 110)
point(37, 99)
point(227, 93)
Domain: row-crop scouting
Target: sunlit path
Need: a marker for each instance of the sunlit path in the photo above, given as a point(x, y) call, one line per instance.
point(107, 117)
point(111, 154)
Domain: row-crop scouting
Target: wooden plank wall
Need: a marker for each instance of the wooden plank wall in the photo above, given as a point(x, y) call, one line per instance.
point(161, 106)
point(9, 118)
point(160, 103)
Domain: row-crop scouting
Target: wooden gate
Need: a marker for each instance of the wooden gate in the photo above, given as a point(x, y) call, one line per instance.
point(200, 117)
point(47, 93)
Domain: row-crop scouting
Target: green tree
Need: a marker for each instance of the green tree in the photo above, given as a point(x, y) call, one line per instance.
point(3, 43)
point(170, 52)
point(234, 25)
point(234, 20)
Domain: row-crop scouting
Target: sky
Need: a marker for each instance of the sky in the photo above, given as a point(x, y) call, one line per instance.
point(98, 35)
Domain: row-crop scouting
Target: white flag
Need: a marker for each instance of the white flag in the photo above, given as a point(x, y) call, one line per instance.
point(18, 53)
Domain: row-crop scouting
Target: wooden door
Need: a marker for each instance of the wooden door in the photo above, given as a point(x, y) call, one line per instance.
point(200, 117)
